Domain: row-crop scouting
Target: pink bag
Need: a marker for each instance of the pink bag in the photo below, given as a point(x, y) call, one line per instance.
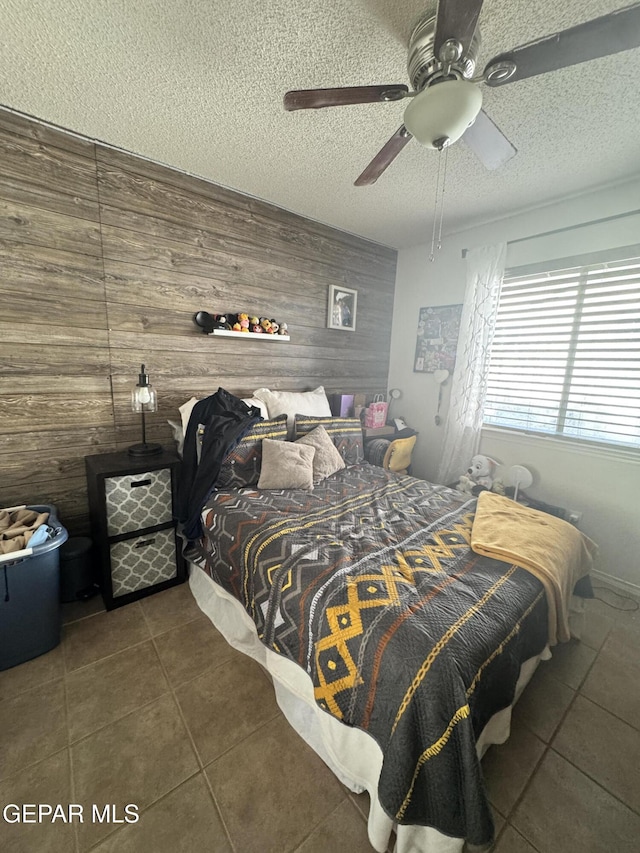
point(376, 413)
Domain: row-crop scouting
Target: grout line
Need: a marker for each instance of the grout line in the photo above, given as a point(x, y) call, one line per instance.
point(31, 763)
point(135, 710)
point(172, 693)
point(10, 697)
point(116, 829)
point(72, 778)
point(168, 692)
point(519, 833)
point(246, 737)
point(547, 748)
point(219, 811)
point(595, 781)
point(105, 658)
point(608, 711)
point(192, 740)
point(173, 627)
point(519, 799)
point(82, 618)
point(326, 817)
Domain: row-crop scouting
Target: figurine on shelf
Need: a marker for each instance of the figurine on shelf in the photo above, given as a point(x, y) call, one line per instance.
point(283, 330)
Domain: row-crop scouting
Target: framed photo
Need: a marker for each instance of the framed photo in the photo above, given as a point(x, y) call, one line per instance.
point(437, 338)
point(343, 303)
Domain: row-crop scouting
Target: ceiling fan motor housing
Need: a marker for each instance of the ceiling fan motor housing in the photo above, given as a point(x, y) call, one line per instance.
point(422, 64)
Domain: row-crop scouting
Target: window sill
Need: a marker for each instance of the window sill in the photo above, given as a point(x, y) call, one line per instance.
point(568, 445)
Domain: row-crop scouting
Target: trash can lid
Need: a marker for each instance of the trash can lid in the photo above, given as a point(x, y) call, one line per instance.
point(75, 546)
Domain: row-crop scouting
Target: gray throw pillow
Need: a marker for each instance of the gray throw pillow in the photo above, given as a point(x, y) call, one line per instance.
point(286, 465)
point(327, 459)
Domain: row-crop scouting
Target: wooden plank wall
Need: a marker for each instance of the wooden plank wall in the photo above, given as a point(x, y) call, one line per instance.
point(105, 258)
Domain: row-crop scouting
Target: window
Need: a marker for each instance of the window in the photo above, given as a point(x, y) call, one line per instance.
point(565, 359)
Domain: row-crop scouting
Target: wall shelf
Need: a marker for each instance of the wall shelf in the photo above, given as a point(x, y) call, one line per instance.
point(253, 336)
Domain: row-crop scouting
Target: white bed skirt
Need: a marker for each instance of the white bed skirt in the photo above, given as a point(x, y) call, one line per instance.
point(352, 754)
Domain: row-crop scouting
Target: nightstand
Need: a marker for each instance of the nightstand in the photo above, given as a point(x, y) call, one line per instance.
point(132, 503)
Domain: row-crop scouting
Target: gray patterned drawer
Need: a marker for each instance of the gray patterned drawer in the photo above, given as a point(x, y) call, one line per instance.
point(143, 561)
point(136, 501)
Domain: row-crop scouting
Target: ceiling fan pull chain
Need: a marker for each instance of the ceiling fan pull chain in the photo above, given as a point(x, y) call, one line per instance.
point(432, 256)
point(444, 182)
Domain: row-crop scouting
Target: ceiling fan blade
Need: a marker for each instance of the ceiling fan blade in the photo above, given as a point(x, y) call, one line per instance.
point(314, 99)
point(603, 36)
point(457, 19)
point(488, 142)
point(384, 157)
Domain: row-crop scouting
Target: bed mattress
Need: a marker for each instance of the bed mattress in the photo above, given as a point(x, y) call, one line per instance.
point(369, 587)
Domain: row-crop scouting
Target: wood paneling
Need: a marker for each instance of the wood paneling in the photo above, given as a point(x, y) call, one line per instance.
point(105, 260)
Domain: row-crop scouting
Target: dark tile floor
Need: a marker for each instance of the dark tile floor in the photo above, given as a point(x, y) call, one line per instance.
point(149, 705)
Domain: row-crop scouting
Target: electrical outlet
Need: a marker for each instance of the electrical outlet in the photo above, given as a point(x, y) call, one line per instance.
point(574, 516)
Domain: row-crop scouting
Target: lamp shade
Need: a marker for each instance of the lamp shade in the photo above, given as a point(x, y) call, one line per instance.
point(143, 395)
point(143, 400)
point(443, 111)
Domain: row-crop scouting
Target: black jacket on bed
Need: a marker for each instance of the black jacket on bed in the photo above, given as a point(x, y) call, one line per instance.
point(225, 419)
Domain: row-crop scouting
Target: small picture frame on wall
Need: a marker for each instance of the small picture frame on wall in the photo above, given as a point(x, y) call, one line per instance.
point(343, 303)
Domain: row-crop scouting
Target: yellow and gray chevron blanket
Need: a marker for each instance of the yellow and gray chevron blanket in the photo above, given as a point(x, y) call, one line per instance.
point(369, 583)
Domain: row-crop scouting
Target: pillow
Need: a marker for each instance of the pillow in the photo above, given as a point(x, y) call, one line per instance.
point(186, 408)
point(253, 401)
point(185, 412)
point(286, 465)
point(327, 460)
point(241, 466)
point(345, 433)
point(178, 435)
point(290, 402)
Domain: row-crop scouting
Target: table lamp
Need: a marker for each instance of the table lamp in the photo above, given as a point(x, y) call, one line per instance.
point(143, 400)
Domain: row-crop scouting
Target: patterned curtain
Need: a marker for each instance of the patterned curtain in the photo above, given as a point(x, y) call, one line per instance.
point(485, 270)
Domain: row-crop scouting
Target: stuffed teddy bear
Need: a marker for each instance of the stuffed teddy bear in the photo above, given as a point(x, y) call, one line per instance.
point(465, 484)
point(283, 330)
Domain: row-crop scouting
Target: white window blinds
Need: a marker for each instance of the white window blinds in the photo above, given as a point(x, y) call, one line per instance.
point(565, 358)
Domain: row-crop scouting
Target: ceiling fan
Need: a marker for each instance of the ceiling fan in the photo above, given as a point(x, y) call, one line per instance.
point(446, 100)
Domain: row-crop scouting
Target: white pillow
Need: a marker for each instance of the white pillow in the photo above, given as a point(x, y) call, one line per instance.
point(291, 403)
point(286, 465)
point(178, 435)
point(253, 401)
point(186, 408)
point(185, 412)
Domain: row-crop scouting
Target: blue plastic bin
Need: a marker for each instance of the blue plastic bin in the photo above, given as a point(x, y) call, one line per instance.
point(30, 597)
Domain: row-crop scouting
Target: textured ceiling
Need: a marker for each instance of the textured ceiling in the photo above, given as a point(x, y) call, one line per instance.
point(198, 85)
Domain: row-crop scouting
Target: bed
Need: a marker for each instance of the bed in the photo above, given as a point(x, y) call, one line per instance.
point(396, 651)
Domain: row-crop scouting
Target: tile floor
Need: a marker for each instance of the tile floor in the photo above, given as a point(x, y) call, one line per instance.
point(149, 705)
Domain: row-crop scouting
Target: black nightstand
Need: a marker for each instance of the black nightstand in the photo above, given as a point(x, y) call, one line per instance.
point(132, 502)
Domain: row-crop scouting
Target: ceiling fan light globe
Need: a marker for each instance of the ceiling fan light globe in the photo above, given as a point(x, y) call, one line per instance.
point(443, 110)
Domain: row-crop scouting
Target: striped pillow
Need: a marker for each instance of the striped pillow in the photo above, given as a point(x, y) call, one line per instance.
point(241, 466)
point(345, 433)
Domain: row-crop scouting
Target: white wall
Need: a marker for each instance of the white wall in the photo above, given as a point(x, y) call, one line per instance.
point(603, 485)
